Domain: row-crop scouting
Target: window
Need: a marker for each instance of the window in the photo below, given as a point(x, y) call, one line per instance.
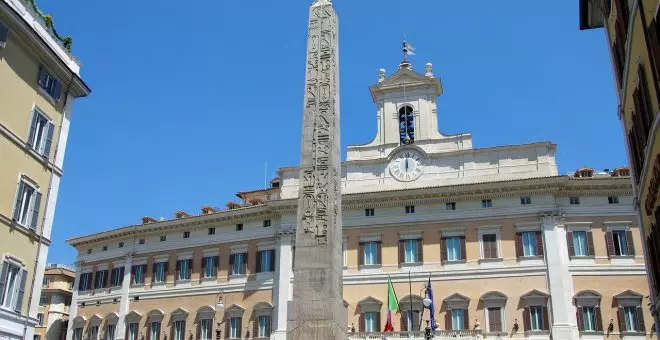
point(450, 206)
point(525, 200)
point(265, 261)
point(580, 247)
point(410, 209)
point(4, 32)
point(49, 84)
point(179, 330)
point(101, 279)
point(489, 246)
point(78, 334)
point(211, 231)
point(406, 125)
point(110, 332)
point(93, 332)
point(133, 329)
point(235, 328)
point(619, 243)
point(12, 283)
point(529, 243)
point(43, 300)
point(264, 326)
point(588, 319)
point(117, 277)
point(163, 238)
point(40, 319)
point(411, 251)
point(536, 318)
point(210, 266)
point(457, 319)
point(453, 248)
point(36, 337)
point(613, 199)
point(121, 244)
point(574, 200)
point(85, 282)
point(105, 248)
point(40, 137)
point(183, 269)
point(160, 272)
point(206, 328)
point(44, 282)
point(89, 251)
point(154, 329)
point(486, 203)
point(239, 227)
point(630, 319)
point(266, 223)
point(411, 320)
point(238, 263)
point(186, 234)
point(494, 319)
point(141, 241)
point(138, 274)
point(368, 212)
point(370, 321)
point(26, 209)
point(370, 253)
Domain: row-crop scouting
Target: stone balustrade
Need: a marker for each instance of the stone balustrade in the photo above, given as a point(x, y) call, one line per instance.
point(418, 335)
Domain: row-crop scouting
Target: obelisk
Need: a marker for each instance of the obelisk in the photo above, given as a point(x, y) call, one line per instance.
point(317, 310)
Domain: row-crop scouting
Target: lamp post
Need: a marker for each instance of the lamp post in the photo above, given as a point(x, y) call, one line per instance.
point(428, 334)
point(219, 307)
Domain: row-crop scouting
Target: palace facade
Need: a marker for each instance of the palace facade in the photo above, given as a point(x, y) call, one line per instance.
point(512, 248)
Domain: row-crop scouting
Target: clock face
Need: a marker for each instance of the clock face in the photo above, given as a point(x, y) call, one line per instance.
point(407, 165)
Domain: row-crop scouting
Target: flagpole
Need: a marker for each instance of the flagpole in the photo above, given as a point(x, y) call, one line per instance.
point(412, 326)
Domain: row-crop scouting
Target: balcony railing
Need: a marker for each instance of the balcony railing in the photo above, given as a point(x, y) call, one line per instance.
point(419, 335)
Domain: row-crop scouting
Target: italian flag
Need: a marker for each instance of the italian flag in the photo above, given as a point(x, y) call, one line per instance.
point(392, 305)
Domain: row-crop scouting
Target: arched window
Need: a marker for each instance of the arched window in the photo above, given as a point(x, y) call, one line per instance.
point(406, 125)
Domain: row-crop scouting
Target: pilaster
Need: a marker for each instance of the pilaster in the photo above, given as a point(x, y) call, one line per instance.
point(560, 281)
point(123, 303)
point(282, 283)
point(73, 309)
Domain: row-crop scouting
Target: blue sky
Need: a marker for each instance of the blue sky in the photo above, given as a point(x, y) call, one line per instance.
point(191, 99)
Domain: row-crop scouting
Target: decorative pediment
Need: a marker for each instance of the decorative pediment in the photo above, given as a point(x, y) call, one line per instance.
point(493, 299)
point(414, 300)
point(411, 79)
point(628, 298)
point(133, 317)
point(179, 314)
point(587, 298)
point(535, 297)
point(234, 311)
point(111, 318)
point(79, 321)
point(95, 320)
point(457, 301)
point(155, 315)
point(370, 304)
point(262, 305)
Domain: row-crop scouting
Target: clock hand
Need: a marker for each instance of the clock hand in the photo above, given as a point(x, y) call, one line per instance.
point(406, 164)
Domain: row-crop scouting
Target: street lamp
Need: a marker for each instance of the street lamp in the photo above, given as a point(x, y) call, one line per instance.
point(219, 307)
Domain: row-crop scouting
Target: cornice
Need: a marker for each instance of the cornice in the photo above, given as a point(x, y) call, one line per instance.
point(562, 186)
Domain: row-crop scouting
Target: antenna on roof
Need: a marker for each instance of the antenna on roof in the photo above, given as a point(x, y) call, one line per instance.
point(266, 176)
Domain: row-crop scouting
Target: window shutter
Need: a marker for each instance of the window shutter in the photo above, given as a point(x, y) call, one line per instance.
point(402, 252)
point(463, 250)
point(148, 330)
point(404, 322)
point(167, 269)
point(133, 269)
point(634, 155)
point(57, 90)
point(231, 261)
point(630, 244)
point(35, 210)
point(42, 76)
point(539, 243)
point(617, 64)
point(420, 251)
point(105, 279)
point(21, 292)
point(622, 320)
point(255, 327)
point(199, 329)
point(443, 249)
point(361, 254)
point(640, 319)
point(485, 245)
point(178, 269)
point(33, 129)
point(240, 325)
point(3, 279)
point(653, 36)
point(495, 319)
point(609, 241)
point(379, 253)
point(362, 323)
point(153, 272)
point(546, 325)
point(579, 314)
point(19, 200)
point(448, 320)
point(204, 259)
point(245, 262)
point(227, 323)
point(526, 319)
point(569, 241)
point(519, 245)
point(259, 253)
point(599, 319)
point(268, 326)
point(647, 115)
point(216, 264)
point(378, 322)
point(590, 244)
point(466, 319)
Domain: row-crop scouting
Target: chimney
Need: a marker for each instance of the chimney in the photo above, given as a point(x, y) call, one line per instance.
point(181, 214)
point(208, 210)
point(147, 220)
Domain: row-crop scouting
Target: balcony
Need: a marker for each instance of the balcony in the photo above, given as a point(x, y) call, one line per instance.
point(438, 335)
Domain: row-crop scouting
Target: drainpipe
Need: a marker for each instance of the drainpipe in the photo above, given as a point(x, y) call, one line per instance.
point(43, 219)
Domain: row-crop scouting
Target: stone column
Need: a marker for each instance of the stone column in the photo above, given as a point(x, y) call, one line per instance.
point(282, 282)
point(73, 309)
point(560, 281)
point(123, 303)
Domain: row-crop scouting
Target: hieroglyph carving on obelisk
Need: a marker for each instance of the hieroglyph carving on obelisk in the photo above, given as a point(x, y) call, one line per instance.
point(317, 310)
